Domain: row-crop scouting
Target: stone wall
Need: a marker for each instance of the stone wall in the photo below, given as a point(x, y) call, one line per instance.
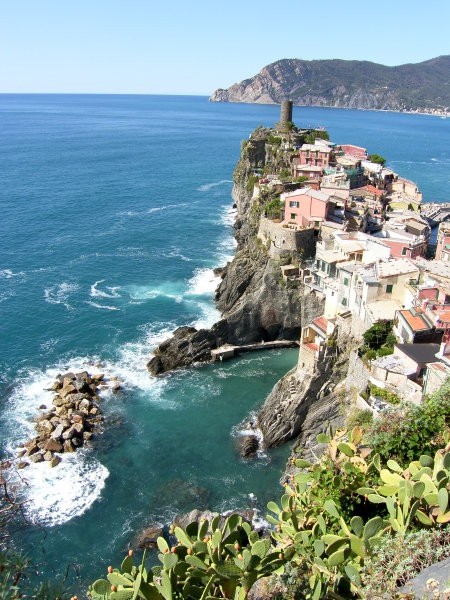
point(357, 374)
point(279, 239)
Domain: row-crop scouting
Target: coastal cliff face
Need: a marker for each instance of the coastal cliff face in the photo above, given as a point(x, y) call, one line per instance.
point(347, 84)
point(254, 302)
point(305, 402)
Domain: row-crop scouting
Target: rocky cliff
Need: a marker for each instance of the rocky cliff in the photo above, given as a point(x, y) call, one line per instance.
point(348, 84)
point(254, 302)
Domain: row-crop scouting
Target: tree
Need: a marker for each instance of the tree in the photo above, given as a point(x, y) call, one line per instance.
point(376, 158)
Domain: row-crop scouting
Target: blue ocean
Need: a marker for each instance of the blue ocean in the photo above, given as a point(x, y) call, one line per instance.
point(114, 212)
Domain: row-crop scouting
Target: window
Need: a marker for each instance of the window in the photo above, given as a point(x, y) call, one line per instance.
point(293, 215)
point(345, 280)
point(389, 288)
point(404, 251)
point(344, 302)
point(293, 204)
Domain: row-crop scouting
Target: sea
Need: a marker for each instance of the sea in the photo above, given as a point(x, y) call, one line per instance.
point(114, 211)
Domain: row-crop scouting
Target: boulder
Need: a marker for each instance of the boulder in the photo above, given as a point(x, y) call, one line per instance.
point(148, 537)
point(68, 388)
point(48, 455)
point(57, 433)
point(32, 448)
point(38, 457)
point(22, 464)
point(68, 446)
point(54, 461)
point(53, 445)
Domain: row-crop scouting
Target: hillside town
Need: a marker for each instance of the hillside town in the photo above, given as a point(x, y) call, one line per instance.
point(363, 237)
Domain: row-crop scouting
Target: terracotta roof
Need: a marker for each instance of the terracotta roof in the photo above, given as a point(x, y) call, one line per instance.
point(416, 322)
point(321, 323)
point(372, 189)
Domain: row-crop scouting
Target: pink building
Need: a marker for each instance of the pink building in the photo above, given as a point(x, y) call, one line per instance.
point(314, 154)
point(306, 207)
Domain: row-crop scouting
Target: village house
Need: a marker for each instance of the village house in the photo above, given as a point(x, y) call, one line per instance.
point(317, 155)
point(352, 168)
point(306, 207)
point(405, 235)
point(412, 326)
point(443, 242)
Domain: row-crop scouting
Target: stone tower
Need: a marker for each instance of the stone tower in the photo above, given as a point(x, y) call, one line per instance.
point(286, 115)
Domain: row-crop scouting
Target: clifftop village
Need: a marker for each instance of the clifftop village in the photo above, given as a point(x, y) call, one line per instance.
point(363, 237)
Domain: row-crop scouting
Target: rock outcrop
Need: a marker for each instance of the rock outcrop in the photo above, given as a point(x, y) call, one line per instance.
point(347, 84)
point(304, 403)
point(69, 423)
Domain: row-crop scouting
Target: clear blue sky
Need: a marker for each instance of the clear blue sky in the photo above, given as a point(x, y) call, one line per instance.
point(174, 47)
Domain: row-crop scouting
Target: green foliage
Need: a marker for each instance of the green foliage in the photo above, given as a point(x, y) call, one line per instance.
point(376, 158)
point(378, 341)
point(274, 208)
point(274, 140)
point(377, 335)
point(251, 182)
point(316, 134)
point(209, 561)
point(404, 432)
point(386, 395)
point(285, 175)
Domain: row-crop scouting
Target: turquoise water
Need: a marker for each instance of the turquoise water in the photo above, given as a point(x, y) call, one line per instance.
point(114, 211)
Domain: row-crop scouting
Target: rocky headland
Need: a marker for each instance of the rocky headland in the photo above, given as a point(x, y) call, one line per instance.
point(254, 303)
point(348, 84)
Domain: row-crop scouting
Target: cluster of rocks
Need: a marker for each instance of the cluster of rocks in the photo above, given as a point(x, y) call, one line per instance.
point(69, 423)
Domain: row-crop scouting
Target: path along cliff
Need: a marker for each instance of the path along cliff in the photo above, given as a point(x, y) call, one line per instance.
point(258, 304)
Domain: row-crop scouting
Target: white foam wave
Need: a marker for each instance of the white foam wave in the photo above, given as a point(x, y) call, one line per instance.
point(203, 282)
point(208, 186)
point(228, 216)
point(101, 306)
point(97, 293)
point(8, 274)
point(209, 316)
point(55, 496)
point(141, 293)
point(59, 293)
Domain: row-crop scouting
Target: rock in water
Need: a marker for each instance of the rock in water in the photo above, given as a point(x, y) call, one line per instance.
point(248, 445)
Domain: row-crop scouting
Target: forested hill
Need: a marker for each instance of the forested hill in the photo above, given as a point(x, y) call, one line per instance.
point(347, 83)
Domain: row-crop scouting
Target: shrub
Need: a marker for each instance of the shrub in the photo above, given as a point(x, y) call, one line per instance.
point(359, 417)
point(398, 559)
point(403, 432)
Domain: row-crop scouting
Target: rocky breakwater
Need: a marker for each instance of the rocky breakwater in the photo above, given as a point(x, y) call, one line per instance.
point(69, 423)
point(255, 304)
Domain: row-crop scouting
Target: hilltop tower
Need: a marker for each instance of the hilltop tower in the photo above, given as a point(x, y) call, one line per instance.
point(285, 116)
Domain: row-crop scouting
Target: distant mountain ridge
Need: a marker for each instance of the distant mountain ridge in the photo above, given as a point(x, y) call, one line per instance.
point(422, 86)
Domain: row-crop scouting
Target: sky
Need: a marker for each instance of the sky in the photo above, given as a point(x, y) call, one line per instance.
point(193, 48)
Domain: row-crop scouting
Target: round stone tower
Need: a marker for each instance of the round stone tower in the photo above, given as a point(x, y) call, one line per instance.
point(286, 112)
point(285, 116)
